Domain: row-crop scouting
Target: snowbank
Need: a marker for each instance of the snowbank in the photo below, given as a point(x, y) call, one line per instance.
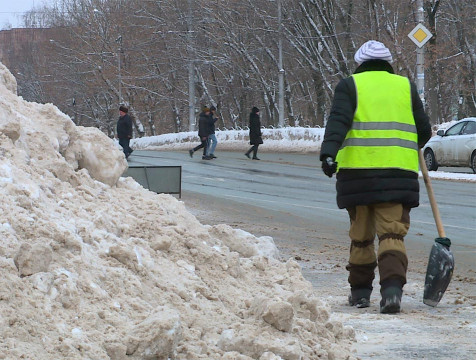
point(96, 267)
point(289, 139)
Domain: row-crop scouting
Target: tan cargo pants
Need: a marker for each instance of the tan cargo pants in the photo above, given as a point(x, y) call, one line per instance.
point(390, 222)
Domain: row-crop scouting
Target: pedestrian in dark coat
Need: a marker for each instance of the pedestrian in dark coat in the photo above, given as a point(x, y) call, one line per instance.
point(124, 130)
point(203, 130)
point(212, 139)
point(375, 129)
point(255, 133)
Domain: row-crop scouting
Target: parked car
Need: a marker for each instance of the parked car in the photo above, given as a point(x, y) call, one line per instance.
point(455, 146)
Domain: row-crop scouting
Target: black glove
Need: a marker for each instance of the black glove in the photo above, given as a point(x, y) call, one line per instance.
point(329, 166)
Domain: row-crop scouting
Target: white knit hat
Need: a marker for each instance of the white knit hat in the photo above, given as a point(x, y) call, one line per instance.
point(372, 50)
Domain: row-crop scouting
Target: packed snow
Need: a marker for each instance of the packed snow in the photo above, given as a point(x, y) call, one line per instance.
point(96, 267)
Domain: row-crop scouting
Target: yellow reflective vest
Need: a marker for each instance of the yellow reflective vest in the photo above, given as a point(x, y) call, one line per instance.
point(383, 133)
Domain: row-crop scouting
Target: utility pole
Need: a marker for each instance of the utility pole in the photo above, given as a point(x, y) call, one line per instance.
point(280, 65)
point(191, 71)
point(119, 52)
point(420, 61)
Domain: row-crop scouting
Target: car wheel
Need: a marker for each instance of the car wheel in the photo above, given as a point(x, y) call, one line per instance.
point(430, 160)
point(473, 162)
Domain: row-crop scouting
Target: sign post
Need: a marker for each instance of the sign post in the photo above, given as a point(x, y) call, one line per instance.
point(420, 36)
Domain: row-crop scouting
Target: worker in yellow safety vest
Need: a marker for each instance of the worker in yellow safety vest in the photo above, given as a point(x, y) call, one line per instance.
point(375, 129)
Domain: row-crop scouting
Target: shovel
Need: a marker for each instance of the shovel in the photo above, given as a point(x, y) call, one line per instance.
point(441, 262)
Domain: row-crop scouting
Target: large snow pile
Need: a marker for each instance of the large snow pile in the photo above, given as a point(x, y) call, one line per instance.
point(93, 266)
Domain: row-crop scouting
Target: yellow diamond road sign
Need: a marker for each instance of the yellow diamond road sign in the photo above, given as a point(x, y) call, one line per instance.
point(420, 35)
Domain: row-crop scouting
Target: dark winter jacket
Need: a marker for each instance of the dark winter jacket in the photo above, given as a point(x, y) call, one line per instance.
point(211, 124)
point(370, 186)
point(255, 129)
point(124, 127)
point(203, 125)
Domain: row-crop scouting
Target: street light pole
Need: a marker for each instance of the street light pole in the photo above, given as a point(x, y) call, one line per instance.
point(280, 65)
point(119, 39)
point(191, 72)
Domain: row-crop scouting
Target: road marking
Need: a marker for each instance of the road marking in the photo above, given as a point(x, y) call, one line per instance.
point(341, 210)
point(211, 178)
point(445, 225)
point(284, 203)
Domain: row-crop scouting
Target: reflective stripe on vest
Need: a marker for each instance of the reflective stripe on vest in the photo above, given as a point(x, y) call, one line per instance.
point(383, 133)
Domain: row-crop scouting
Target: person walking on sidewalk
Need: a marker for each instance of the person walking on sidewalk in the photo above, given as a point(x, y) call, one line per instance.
point(212, 139)
point(375, 129)
point(255, 133)
point(124, 130)
point(203, 129)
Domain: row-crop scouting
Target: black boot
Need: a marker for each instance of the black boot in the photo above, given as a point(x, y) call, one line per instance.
point(247, 155)
point(360, 297)
point(391, 292)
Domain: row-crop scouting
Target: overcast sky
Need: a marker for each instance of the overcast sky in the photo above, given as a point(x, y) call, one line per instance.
point(12, 10)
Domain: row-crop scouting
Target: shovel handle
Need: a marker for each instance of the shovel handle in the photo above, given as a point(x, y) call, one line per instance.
point(431, 195)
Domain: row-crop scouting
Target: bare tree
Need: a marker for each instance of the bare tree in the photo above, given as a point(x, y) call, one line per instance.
point(104, 52)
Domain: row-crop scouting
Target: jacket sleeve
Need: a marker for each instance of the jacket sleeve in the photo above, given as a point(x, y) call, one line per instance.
point(340, 118)
point(422, 121)
point(211, 122)
point(129, 127)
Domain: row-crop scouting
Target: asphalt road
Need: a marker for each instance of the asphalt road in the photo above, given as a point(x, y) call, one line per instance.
point(291, 187)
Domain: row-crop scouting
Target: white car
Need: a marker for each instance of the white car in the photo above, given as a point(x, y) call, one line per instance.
point(455, 146)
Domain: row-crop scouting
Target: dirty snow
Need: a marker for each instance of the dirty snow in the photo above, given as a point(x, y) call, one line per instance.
point(96, 267)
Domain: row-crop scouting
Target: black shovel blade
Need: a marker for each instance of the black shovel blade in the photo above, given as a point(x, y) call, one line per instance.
point(439, 271)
